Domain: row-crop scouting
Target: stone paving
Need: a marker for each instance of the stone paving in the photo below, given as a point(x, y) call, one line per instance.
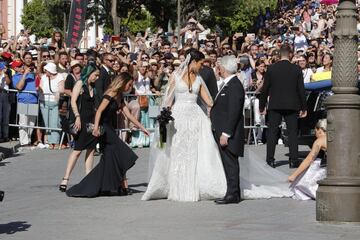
point(33, 208)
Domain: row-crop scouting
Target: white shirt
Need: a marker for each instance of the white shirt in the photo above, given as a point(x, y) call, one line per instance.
point(219, 83)
point(142, 85)
point(307, 73)
point(50, 95)
point(3, 84)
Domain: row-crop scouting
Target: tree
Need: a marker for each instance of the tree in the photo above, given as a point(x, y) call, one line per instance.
point(42, 17)
point(36, 17)
point(237, 15)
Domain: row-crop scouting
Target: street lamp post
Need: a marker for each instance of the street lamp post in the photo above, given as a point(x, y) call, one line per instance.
point(338, 195)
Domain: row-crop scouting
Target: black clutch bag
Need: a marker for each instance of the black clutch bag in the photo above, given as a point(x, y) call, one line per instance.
point(90, 128)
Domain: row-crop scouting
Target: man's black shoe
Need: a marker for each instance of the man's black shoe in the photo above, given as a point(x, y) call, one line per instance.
point(2, 193)
point(294, 164)
point(228, 200)
point(271, 163)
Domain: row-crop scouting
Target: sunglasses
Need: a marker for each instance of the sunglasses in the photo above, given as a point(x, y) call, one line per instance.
point(46, 56)
point(111, 60)
point(144, 58)
point(210, 45)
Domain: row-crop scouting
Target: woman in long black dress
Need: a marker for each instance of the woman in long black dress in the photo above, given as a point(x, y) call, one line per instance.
point(83, 110)
point(117, 157)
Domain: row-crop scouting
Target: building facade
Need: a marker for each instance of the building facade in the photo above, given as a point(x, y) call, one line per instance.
point(10, 16)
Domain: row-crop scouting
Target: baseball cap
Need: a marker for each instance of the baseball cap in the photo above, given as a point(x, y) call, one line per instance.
point(73, 63)
point(16, 63)
point(153, 62)
point(6, 55)
point(2, 65)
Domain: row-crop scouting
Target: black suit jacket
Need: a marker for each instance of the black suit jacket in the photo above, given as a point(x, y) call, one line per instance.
point(227, 115)
point(102, 84)
point(284, 84)
point(208, 75)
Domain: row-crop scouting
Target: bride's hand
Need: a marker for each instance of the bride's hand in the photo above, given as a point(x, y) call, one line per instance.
point(208, 111)
point(291, 178)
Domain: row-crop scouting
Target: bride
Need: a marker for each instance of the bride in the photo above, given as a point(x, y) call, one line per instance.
point(189, 167)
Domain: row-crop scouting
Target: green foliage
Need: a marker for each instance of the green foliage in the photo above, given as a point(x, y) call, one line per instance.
point(237, 15)
point(43, 16)
point(36, 16)
point(139, 21)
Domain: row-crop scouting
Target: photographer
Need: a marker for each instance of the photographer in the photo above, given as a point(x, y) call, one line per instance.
point(24, 80)
point(191, 30)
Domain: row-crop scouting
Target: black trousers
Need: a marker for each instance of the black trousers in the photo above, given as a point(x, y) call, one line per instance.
point(232, 171)
point(275, 117)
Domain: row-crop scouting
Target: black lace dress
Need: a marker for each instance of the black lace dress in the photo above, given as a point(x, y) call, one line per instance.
point(116, 160)
point(85, 140)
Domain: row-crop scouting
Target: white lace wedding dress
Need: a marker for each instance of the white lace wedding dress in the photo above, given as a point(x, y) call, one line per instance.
point(189, 167)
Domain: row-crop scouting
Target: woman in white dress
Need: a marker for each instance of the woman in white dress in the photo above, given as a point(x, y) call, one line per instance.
point(189, 167)
point(311, 170)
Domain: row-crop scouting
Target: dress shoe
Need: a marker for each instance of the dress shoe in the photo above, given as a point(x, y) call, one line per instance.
point(2, 194)
point(294, 164)
point(271, 163)
point(228, 200)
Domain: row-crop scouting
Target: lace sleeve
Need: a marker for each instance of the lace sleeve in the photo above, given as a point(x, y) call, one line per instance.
point(169, 96)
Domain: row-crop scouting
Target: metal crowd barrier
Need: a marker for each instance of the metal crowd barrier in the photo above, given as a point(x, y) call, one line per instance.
point(249, 117)
point(153, 112)
point(32, 110)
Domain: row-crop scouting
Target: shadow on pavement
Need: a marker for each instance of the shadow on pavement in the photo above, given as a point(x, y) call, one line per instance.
point(281, 163)
point(3, 163)
point(138, 185)
point(13, 227)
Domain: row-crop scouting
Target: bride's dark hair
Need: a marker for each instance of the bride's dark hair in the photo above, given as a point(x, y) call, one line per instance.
point(195, 55)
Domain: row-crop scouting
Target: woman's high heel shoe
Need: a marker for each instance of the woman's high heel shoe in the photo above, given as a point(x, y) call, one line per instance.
point(63, 187)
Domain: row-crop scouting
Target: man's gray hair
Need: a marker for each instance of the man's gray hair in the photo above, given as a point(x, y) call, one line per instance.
point(229, 62)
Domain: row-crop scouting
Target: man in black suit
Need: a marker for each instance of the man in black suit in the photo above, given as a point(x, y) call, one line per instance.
point(284, 85)
point(208, 75)
point(105, 77)
point(228, 126)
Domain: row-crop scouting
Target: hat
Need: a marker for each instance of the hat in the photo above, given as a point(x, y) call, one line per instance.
point(16, 63)
point(153, 62)
point(74, 63)
point(2, 65)
point(51, 68)
point(176, 62)
point(144, 64)
point(6, 55)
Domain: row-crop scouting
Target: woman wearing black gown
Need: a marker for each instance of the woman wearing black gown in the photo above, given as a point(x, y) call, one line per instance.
point(83, 110)
point(117, 157)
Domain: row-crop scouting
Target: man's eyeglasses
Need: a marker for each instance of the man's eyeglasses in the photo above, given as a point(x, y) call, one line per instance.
point(111, 60)
point(144, 58)
point(46, 56)
point(209, 45)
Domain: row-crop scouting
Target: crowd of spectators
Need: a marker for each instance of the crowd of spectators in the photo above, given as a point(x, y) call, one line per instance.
point(48, 68)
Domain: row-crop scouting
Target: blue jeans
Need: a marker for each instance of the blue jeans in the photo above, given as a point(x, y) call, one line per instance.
point(50, 114)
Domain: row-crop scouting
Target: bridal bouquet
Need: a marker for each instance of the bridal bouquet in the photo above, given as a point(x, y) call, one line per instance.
point(164, 118)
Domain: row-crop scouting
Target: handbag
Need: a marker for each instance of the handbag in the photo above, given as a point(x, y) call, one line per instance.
point(90, 128)
point(143, 101)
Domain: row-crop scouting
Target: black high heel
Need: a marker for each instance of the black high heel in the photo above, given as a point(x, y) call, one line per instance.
point(63, 187)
